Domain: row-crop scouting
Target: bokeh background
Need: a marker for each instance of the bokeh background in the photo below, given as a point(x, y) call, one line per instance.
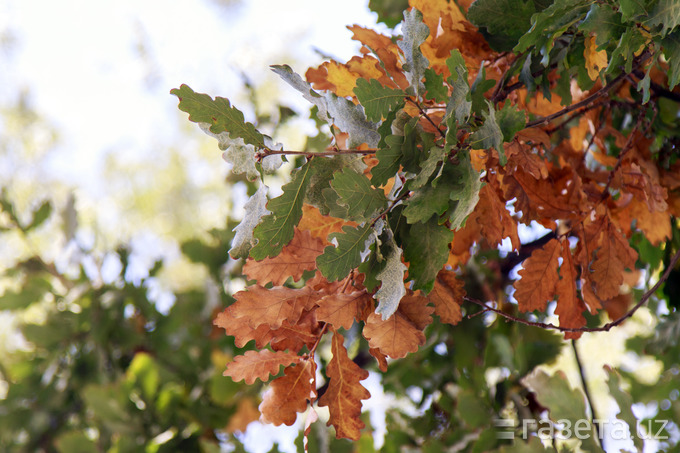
point(117, 213)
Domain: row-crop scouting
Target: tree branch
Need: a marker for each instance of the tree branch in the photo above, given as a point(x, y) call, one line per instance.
point(605, 328)
point(582, 374)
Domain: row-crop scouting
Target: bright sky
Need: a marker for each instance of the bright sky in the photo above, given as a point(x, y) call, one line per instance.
point(101, 72)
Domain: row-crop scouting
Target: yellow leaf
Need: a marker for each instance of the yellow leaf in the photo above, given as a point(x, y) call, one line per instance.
point(596, 60)
point(343, 79)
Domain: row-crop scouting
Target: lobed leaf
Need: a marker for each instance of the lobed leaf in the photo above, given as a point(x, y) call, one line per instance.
point(336, 262)
point(289, 394)
point(415, 32)
point(219, 113)
point(255, 209)
point(377, 100)
point(355, 193)
point(277, 228)
point(260, 365)
point(344, 394)
point(391, 276)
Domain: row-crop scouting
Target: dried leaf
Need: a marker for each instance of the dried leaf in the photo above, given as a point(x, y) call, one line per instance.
point(447, 297)
point(344, 393)
point(341, 310)
point(258, 365)
point(295, 258)
point(596, 60)
point(538, 281)
point(569, 307)
point(403, 332)
point(289, 394)
point(258, 305)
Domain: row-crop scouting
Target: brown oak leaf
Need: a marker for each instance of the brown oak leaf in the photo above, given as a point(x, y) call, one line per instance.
point(258, 305)
point(295, 258)
point(447, 297)
point(344, 393)
point(242, 331)
point(493, 219)
point(341, 310)
point(536, 287)
point(295, 336)
point(402, 332)
point(612, 258)
point(569, 307)
point(289, 394)
point(258, 365)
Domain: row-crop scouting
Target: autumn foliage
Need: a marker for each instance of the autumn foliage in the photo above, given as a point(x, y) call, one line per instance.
point(446, 141)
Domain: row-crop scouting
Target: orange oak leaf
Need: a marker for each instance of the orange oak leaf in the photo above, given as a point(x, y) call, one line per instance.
point(447, 297)
point(344, 394)
point(612, 258)
point(380, 357)
point(536, 287)
point(242, 331)
point(258, 365)
point(258, 305)
point(320, 226)
point(246, 412)
point(522, 156)
point(342, 309)
point(402, 332)
point(636, 181)
point(342, 78)
point(493, 219)
point(294, 337)
point(295, 258)
point(569, 307)
point(596, 60)
point(289, 394)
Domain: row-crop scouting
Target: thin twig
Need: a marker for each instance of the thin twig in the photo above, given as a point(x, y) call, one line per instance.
point(270, 152)
point(605, 328)
point(426, 116)
point(584, 103)
point(589, 399)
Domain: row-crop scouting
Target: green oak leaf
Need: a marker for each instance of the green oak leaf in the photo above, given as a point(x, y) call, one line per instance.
point(219, 113)
point(671, 50)
point(633, 9)
point(426, 250)
point(391, 276)
point(480, 86)
point(372, 266)
point(460, 102)
point(356, 194)
point(277, 228)
point(401, 151)
point(564, 402)
point(510, 120)
point(625, 403)
point(489, 135)
point(389, 11)
point(320, 181)
point(415, 32)
point(377, 100)
point(464, 200)
point(427, 167)
point(255, 209)
point(666, 13)
point(347, 116)
point(550, 24)
point(428, 201)
point(502, 22)
point(604, 23)
point(434, 84)
point(335, 263)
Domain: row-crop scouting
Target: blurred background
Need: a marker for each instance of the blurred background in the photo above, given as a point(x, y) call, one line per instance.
point(116, 214)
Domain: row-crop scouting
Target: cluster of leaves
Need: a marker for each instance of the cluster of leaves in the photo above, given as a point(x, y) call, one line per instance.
point(446, 140)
